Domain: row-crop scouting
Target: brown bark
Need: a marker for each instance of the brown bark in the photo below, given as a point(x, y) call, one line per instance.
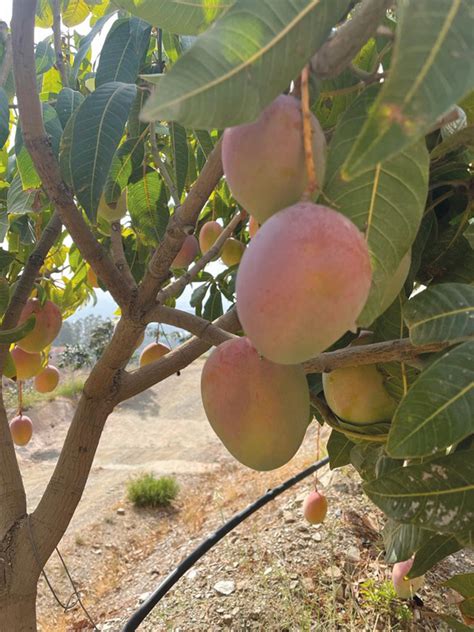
point(18, 613)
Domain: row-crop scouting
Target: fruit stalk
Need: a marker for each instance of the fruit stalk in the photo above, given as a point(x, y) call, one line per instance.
point(307, 136)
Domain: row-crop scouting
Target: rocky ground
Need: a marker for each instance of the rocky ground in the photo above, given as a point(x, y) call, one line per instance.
point(274, 572)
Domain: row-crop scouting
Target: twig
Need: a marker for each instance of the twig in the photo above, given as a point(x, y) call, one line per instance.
point(160, 164)
point(7, 55)
point(312, 184)
point(337, 53)
point(176, 288)
point(57, 42)
point(118, 254)
point(176, 360)
point(181, 223)
point(39, 147)
point(391, 351)
point(199, 327)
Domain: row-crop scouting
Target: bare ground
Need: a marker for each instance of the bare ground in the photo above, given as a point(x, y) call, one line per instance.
point(282, 574)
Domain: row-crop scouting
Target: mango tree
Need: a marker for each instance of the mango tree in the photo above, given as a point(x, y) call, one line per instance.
point(345, 129)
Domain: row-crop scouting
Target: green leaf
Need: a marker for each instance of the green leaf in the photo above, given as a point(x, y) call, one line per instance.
point(85, 44)
point(442, 313)
point(386, 201)
point(148, 207)
point(128, 159)
point(433, 550)
point(54, 130)
point(179, 146)
point(438, 410)
point(364, 457)
point(6, 259)
point(437, 495)
point(97, 130)
point(339, 449)
point(4, 117)
point(74, 12)
point(432, 68)
point(401, 540)
point(463, 138)
point(44, 14)
point(213, 307)
point(67, 103)
point(17, 333)
point(44, 56)
point(19, 201)
point(205, 141)
point(177, 16)
point(123, 51)
point(4, 295)
point(462, 583)
point(198, 295)
point(235, 69)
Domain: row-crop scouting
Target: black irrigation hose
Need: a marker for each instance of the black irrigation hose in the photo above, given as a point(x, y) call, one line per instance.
point(213, 539)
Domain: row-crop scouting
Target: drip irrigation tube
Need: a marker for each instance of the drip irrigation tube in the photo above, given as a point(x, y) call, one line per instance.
point(166, 585)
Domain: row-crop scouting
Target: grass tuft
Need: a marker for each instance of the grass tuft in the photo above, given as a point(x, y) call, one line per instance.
point(148, 491)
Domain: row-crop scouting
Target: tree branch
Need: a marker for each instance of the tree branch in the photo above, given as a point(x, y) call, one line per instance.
point(174, 289)
point(161, 165)
point(199, 327)
point(118, 254)
point(181, 223)
point(337, 52)
point(7, 55)
point(391, 351)
point(176, 360)
point(45, 161)
point(57, 42)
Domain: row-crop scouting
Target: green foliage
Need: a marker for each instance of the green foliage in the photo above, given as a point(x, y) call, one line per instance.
point(149, 491)
point(428, 74)
point(223, 81)
point(383, 598)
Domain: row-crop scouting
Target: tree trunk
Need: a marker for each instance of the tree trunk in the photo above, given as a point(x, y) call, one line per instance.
point(18, 613)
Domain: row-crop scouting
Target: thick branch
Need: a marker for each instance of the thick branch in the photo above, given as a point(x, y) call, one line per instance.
point(45, 161)
point(176, 360)
point(118, 254)
point(199, 327)
point(60, 65)
point(337, 53)
point(391, 351)
point(174, 289)
point(7, 55)
point(182, 223)
point(161, 165)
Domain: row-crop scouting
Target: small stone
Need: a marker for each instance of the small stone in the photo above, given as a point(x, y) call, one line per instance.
point(220, 610)
point(227, 619)
point(268, 570)
point(317, 537)
point(235, 611)
point(143, 597)
point(224, 587)
point(294, 585)
point(334, 573)
point(353, 555)
point(256, 614)
point(97, 551)
point(121, 511)
point(192, 574)
point(307, 583)
point(288, 517)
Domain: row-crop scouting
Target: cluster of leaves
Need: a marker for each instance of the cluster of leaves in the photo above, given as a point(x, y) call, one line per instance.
point(149, 491)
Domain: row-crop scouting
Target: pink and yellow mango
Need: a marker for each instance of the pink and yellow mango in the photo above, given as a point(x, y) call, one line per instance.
point(258, 409)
